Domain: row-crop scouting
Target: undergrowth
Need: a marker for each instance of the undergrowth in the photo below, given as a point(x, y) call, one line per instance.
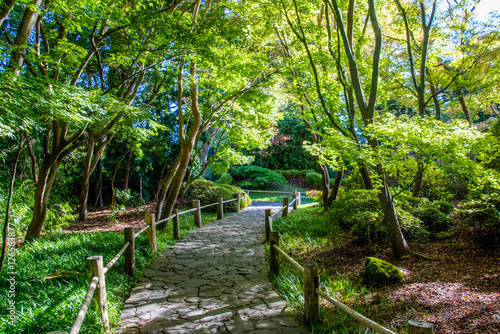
point(305, 232)
point(44, 305)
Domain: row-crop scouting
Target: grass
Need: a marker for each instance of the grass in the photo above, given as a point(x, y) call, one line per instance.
point(306, 232)
point(270, 197)
point(44, 305)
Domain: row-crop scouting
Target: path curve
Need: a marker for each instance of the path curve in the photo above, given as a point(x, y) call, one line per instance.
point(212, 281)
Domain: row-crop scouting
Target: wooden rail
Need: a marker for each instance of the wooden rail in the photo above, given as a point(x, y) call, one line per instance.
point(94, 263)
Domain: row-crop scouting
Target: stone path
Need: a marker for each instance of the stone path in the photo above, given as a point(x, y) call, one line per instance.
point(212, 281)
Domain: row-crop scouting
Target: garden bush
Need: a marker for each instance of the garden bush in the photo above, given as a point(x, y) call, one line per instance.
point(128, 198)
point(225, 178)
point(368, 227)
point(434, 220)
point(314, 180)
point(481, 217)
point(294, 173)
point(208, 192)
point(351, 203)
point(413, 228)
point(258, 177)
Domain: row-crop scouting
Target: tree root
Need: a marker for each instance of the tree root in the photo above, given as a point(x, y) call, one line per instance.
point(425, 257)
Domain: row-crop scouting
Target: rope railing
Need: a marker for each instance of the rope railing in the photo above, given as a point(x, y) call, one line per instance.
point(188, 211)
point(230, 200)
point(208, 205)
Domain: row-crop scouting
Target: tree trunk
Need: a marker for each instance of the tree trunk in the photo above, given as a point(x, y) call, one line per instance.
point(398, 242)
point(5, 9)
point(465, 110)
point(98, 185)
point(164, 189)
point(46, 178)
point(335, 188)
point(367, 180)
point(127, 170)
point(418, 181)
point(206, 148)
point(22, 36)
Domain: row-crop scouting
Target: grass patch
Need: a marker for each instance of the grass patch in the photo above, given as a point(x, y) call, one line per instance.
point(271, 197)
point(49, 305)
point(304, 234)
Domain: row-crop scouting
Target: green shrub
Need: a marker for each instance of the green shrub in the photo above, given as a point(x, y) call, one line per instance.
point(444, 207)
point(127, 198)
point(413, 228)
point(434, 220)
point(409, 203)
point(314, 180)
point(225, 178)
point(294, 173)
point(58, 217)
point(367, 227)
point(481, 217)
point(259, 178)
point(352, 202)
point(208, 192)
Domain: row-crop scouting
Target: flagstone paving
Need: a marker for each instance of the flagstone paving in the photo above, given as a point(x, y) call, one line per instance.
point(212, 281)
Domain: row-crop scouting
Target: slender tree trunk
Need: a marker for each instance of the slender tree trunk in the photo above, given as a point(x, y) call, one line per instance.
point(113, 179)
point(5, 8)
point(22, 36)
point(365, 175)
point(465, 110)
point(84, 189)
point(7, 210)
point(164, 189)
point(140, 187)
point(33, 161)
point(127, 170)
point(418, 180)
point(98, 185)
point(335, 189)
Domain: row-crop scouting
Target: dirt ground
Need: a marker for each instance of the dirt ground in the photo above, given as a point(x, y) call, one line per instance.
point(459, 291)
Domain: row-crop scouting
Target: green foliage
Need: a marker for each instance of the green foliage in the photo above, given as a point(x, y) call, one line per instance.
point(351, 203)
point(443, 206)
point(225, 178)
point(259, 178)
point(208, 192)
point(368, 227)
point(314, 180)
point(59, 216)
point(290, 174)
point(381, 273)
point(128, 198)
point(413, 228)
point(480, 217)
point(434, 220)
point(20, 208)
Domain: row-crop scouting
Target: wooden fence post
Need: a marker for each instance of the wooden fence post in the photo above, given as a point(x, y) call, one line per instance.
point(130, 251)
point(294, 198)
point(197, 213)
point(420, 327)
point(151, 232)
point(274, 261)
point(177, 233)
point(220, 208)
point(95, 266)
point(238, 201)
point(286, 201)
point(268, 223)
point(311, 298)
point(299, 200)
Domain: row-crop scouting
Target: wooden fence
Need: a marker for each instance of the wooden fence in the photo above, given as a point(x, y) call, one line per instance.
point(295, 192)
point(311, 283)
point(97, 285)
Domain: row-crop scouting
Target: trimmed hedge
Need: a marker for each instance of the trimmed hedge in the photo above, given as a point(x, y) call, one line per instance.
point(255, 177)
point(208, 192)
point(225, 178)
point(314, 180)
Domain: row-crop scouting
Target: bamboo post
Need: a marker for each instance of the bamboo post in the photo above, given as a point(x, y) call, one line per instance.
point(286, 201)
point(238, 201)
point(294, 198)
point(420, 327)
point(177, 233)
point(311, 298)
point(220, 208)
point(274, 261)
point(151, 232)
point(268, 223)
point(197, 213)
point(95, 266)
point(130, 251)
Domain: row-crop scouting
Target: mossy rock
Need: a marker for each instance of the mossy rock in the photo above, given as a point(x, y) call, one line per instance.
point(381, 273)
